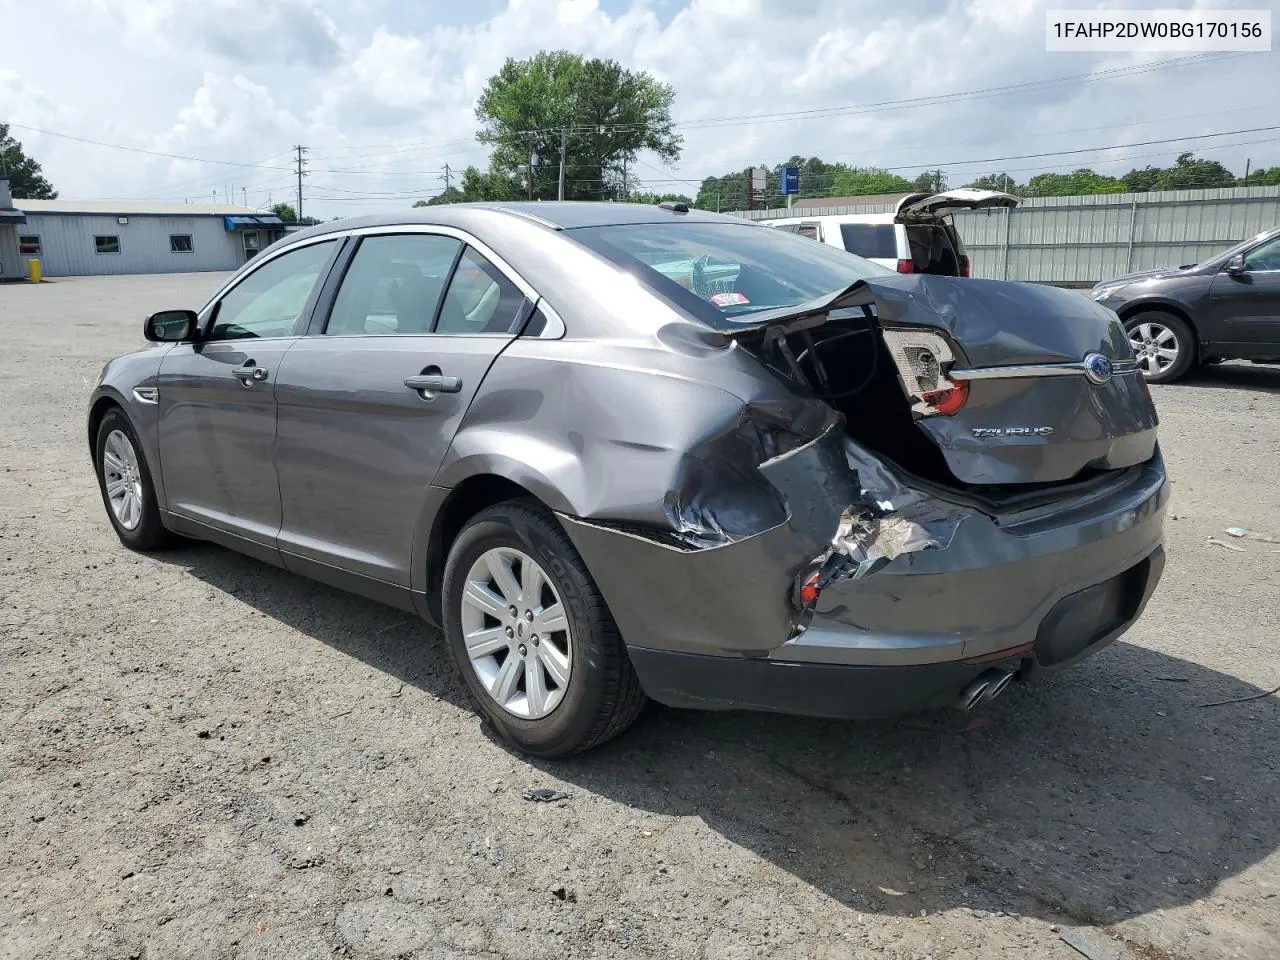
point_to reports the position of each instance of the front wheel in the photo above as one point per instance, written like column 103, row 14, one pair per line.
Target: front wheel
column 1164, row 345
column 531, row 635
column 125, row 482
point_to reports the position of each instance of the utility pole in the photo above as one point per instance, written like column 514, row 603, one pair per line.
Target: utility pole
column 244, row 192
column 447, row 174
column 624, row 179
column 301, row 173
column 1246, row 171
column 564, row 143
column 533, row 158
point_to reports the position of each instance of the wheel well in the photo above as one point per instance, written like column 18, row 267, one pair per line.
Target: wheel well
column 96, row 413
column 1137, row 308
column 466, row 500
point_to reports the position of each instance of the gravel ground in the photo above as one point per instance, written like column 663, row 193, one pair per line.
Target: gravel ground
column 202, row 756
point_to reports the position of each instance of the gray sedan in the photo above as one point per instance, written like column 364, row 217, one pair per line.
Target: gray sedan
column 1227, row 308
column 621, row 452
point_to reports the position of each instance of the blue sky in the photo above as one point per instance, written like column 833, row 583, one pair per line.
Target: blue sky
column 384, row 90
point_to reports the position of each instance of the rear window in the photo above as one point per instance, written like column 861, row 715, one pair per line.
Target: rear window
column 875, row 240
column 724, row 272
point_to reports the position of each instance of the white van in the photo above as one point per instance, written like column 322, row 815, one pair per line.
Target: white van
column 918, row 237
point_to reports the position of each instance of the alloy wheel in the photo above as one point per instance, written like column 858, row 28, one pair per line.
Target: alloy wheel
column 1155, row 345
column 516, row 633
column 123, row 479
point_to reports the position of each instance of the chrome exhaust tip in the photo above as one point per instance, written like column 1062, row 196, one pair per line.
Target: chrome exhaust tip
column 1000, row 686
column 974, row 693
column 987, row 686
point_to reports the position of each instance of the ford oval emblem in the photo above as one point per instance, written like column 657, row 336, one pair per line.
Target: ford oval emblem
column 1097, row 368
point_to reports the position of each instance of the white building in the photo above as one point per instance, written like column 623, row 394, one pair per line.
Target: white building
column 89, row 237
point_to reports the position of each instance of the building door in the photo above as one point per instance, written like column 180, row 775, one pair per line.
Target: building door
column 251, row 245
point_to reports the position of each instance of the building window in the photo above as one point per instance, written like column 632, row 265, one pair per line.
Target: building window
column 29, row 245
column 179, row 243
column 106, row 244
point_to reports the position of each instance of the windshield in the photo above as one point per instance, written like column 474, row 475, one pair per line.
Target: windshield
column 724, row 272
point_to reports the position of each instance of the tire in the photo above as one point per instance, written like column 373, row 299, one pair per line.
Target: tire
column 146, row 532
column 1166, row 328
column 602, row 696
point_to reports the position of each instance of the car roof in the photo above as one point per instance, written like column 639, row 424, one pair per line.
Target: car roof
column 555, row 215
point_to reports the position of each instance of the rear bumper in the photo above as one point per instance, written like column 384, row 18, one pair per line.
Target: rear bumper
column 717, row 628
column 1071, row 632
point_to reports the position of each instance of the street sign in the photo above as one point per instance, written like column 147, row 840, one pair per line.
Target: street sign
column 790, row 180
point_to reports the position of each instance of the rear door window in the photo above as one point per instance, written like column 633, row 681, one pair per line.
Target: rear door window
column 393, row 285
column 876, row 241
column 480, row 299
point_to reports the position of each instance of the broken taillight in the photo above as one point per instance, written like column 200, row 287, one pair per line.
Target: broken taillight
column 809, row 590
column 950, row 401
column 922, row 359
column 906, row 266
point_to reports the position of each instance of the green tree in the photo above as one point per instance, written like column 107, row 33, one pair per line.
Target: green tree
column 998, row 181
column 450, row 194
column 865, row 181
column 930, row 180
column 285, row 212
column 26, row 181
column 605, row 113
column 1142, row 181
column 1264, row 177
column 1188, row 173
column 1078, row 183
column 655, row 198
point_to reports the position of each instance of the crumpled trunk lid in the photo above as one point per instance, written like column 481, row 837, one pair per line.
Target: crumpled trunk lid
column 1052, row 391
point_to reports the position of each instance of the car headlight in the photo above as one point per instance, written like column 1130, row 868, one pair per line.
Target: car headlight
column 1104, row 293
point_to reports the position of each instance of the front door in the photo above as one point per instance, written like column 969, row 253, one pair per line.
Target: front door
column 1246, row 305
column 217, row 399
column 251, row 244
column 369, row 406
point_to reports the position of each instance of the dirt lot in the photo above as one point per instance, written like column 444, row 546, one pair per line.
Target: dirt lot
column 202, row 756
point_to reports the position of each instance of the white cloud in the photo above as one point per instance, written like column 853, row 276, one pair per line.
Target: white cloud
column 385, row 92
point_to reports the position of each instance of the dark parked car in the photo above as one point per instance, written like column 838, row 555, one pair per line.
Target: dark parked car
column 618, row 451
column 1227, row 308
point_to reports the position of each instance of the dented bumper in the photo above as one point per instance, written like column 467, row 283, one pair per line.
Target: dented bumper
column 891, row 630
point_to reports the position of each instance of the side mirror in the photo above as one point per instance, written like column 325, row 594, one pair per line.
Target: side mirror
column 1235, row 266
column 170, row 326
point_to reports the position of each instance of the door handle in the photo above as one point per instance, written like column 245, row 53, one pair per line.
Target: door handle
column 249, row 373
column 434, row 383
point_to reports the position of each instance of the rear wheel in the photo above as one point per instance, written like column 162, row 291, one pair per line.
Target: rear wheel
column 125, row 482
column 531, row 635
column 1163, row 343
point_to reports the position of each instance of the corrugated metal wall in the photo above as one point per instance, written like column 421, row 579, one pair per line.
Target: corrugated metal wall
column 1081, row 240
column 67, row 244
column 11, row 265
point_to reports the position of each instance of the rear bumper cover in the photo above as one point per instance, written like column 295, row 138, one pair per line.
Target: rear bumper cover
column 1077, row 627
column 716, row 627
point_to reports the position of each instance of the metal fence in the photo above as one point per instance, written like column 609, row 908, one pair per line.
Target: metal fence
column 1077, row 241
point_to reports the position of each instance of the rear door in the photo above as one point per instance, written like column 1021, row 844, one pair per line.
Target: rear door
column 217, row 406
column 370, row 401
column 1247, row 305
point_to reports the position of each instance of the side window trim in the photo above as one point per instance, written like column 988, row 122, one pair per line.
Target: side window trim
column 347, row 243
column 209, row 316
column 448, row 282
column 322, row 309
